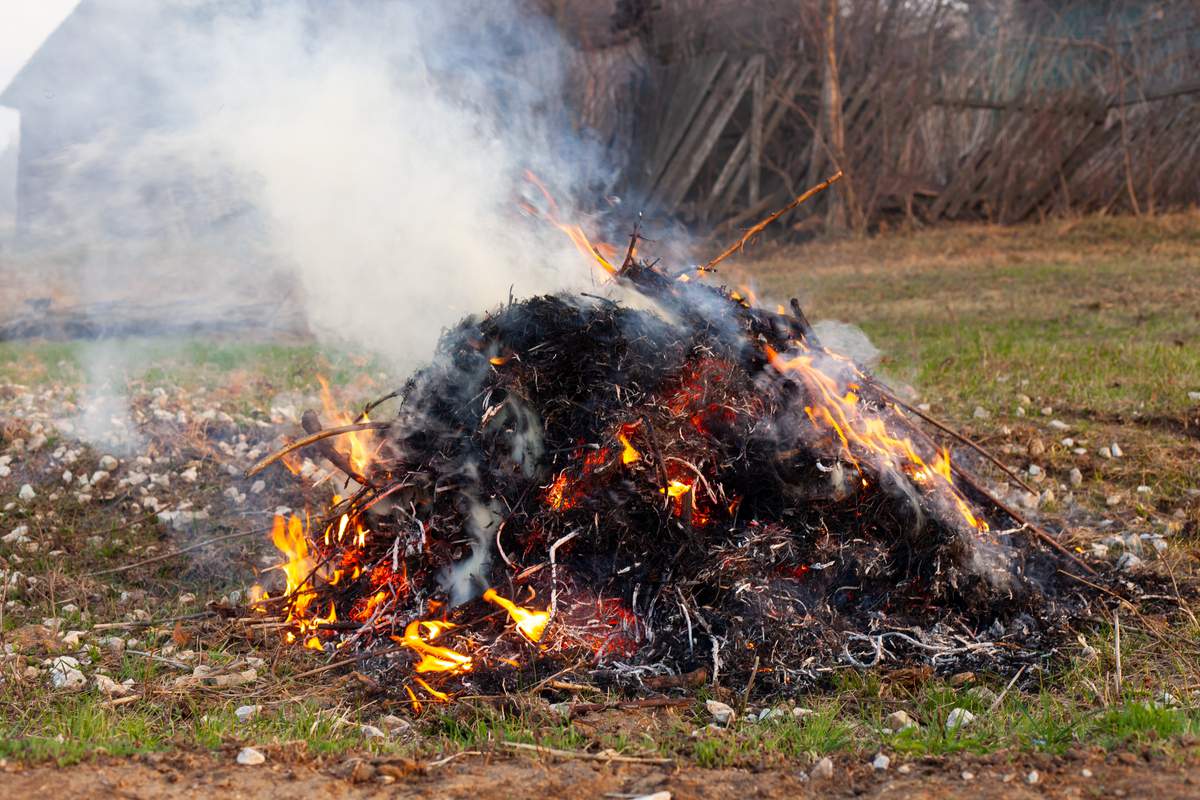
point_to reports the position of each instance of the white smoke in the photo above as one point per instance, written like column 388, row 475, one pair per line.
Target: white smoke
column 369, row 154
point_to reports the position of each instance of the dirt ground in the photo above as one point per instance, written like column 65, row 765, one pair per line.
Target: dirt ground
column 184, row 775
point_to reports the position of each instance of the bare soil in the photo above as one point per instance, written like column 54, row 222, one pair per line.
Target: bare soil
column 185, row 775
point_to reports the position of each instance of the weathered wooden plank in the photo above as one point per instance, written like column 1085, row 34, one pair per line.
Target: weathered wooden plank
column 757, row 120
column 709, row 124
column 780, row 94
column 686, row 103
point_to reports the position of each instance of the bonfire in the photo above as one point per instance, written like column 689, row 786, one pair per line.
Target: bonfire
column 695, row 489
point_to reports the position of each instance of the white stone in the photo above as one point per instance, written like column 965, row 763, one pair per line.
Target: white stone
column 900, row 721
column 1075, row 477
column 247, row 713
column 258, row 486
column 1105, row 452
column 1059, row 425
column 249, row 757
column 190, row 475
column 27, row 493
column 108, row 463
column 110, row 688
column 1116, row 450
column 66, row 675
column 980, row 413
column 880, row 762
column 99, row 477
column 1047, row 410
column 723, row 714
column 822, row 770
column 1032, row 777
column 1143, row 489
column 371, row 732
column 958, row 718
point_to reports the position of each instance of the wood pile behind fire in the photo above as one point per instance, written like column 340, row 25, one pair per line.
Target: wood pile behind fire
column 576, row 484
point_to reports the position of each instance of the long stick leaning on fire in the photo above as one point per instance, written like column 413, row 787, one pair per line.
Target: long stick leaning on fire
column 650, row 281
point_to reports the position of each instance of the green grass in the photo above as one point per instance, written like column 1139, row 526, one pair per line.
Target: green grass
column 1099, row 319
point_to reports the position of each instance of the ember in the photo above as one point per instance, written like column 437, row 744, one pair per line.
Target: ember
column 705, row 486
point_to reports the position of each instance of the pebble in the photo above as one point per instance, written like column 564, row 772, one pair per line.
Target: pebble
column 721, row 713
column 1032, row 777
column 1143, row 489
column 1036, row 447
column 110, row 688
column 247, row 713
column 1047, row 410
column 822, row 770
column 1116, row 450
column 1085, row 773
column 1075, row 477
column 982, row 695
column 27, row 493
column 1128, row 562
column 980, row 413
column 880, row 762
column 1079, row 451
column 1035, row 470
column 967, row 775
column 371, row 732
column 65, row 674
column 1059, row 425
column 900, row 721
column 249, row 757
column 904, row 769
column 190, row 475
column 258, row 486
column 108, row 463
column 958, row 718
column 1114, row 500
column 1106, row 452
column 394, row 724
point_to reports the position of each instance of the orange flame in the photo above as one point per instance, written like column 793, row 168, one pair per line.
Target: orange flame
column 601, row 252
column 360, row 445
column 839, row 412
column 531, row 624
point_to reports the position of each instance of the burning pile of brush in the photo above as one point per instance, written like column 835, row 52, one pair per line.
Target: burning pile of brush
column 573, row 483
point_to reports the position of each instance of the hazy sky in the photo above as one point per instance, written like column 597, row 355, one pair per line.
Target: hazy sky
column 24, row 25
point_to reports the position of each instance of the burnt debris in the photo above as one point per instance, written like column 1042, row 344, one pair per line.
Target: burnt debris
column 694, row 483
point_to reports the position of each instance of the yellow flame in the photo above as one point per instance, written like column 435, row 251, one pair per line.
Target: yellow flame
column 433, row 658
column 531, row 624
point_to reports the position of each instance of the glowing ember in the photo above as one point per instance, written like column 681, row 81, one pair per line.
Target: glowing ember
column 629, row 455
